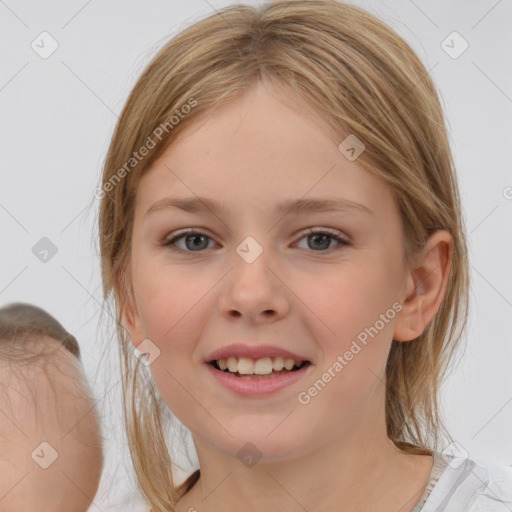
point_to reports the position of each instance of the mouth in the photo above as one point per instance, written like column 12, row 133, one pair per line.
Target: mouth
column 264, row 368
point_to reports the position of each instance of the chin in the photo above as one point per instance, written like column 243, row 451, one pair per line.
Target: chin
column 255, row 446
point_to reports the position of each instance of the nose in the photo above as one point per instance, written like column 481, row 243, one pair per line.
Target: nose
column 255, row 291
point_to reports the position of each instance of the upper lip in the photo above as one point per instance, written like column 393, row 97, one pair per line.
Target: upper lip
column 253, row 352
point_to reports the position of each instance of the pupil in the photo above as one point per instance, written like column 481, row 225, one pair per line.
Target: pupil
column 195, row 237
column 326, row 237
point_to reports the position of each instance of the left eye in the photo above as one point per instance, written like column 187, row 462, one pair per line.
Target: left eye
column 324, row 238
column 320, row 239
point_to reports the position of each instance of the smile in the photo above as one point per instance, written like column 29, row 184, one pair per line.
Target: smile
column 261, row 366
column 248, row 382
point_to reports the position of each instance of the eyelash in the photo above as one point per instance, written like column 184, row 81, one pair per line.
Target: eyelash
column 170, row 243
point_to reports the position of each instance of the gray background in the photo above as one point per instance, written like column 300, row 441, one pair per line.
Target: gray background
column 57, row 116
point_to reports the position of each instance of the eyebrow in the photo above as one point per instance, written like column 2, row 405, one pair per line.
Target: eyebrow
column 294, row 206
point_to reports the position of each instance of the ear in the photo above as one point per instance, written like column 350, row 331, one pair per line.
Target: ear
column 131, row 317
column 425, row 287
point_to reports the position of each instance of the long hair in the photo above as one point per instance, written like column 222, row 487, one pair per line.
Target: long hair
column 363, row 79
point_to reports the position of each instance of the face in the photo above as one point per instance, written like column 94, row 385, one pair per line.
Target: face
column 306, row 293
column 56, row 409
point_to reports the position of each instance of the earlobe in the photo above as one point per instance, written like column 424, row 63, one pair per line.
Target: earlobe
column 131, row 323
column 425, row 287
column 131, row 319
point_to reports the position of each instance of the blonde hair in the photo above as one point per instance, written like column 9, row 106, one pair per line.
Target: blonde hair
column 363, row 79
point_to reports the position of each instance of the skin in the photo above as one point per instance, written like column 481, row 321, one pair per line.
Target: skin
column 333, row 453
column 55, row 408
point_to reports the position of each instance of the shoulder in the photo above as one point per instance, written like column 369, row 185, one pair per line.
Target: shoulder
column 495, row 491
column 470, row 486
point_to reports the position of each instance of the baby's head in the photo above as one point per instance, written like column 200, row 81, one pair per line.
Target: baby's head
column 250, row 108
column 51, row 455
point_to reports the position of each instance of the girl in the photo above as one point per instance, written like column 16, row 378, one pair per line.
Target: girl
column 281, row 231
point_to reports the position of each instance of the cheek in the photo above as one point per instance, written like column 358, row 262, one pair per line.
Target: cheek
column 174, row 306
column 165, row 293
column 351, row 316
column 348, row 299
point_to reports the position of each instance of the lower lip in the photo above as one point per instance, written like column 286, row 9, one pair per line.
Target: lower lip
column 247, row 386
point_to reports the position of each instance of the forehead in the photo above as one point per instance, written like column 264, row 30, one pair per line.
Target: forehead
column 46, row 392
column 256, row 149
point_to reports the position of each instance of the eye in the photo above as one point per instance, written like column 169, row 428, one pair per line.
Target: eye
column 194, row 240
column 322, row 239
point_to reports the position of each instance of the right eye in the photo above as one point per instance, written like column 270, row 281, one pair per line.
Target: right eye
column 190, row 234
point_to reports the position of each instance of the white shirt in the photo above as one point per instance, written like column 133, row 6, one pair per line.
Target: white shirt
column 463, row 485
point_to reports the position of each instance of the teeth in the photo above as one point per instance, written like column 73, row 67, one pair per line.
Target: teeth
column 245, row 366
column 232, row 364
column 278, row 364
column 288, row 363
column 263, row 366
